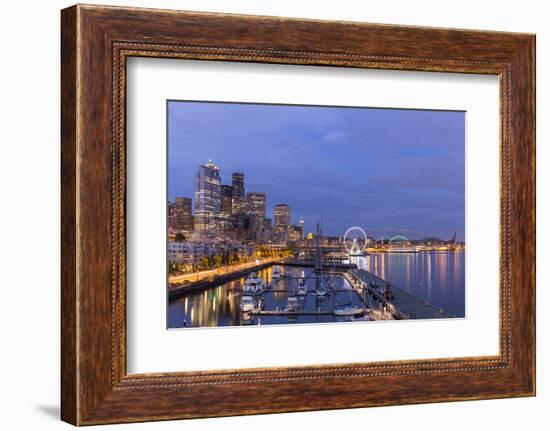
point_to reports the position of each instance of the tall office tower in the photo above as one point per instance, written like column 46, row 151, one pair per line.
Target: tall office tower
column 239, row 202
column 256, row 206
column 302, row 226
column 252, row 230
column 227, row 199
column 171, row 215
column 226, row 220
column 267, row 235
column 183, row 215
column 281, row 215
column 208, row 197
column 256, row 210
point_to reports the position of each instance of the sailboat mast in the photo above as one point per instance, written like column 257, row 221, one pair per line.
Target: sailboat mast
column 317, row 250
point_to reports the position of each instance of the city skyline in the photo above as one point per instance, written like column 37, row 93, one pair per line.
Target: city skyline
column 308, row 157
column 225, row 185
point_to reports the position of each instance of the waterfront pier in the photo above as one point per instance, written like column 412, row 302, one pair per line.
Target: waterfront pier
column 334, row 265
column 291, row 313
column 380, row 299
column 401, row 304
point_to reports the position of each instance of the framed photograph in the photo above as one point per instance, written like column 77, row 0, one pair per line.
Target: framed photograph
column 239, row 254
column 265, row 215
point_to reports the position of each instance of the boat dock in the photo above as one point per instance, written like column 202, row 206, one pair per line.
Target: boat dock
column 308, row 290
column 290, row 313
column 403, row 305
column 176, row 290
column 334, row 265
column 385, row 300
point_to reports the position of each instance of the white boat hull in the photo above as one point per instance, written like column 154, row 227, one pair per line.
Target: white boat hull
column 352, row 311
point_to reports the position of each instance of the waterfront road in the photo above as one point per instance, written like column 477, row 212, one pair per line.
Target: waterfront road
column 201, row 275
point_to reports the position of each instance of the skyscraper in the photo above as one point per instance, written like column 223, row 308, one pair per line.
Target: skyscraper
column 256, row 205
column 302, row 226
column 282, row 216
column 227, row 199
column 226, row 220
column 183, row 215
column 239, row 201
column 267, row 235
column 207, row 196
column 256, row 211
column 171, row 213
column 281, row 226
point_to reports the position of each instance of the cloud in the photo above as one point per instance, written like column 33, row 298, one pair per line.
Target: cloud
column 403, row 169
column 336, row 135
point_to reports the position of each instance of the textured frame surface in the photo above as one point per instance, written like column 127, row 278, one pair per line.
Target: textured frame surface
column 96, row 41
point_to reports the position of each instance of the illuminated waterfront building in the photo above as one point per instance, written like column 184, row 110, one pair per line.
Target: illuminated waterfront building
column 186, row 252
column 207, row 197
column 191, row 252
column 295, row 233
column 180, row 252
column 302, row 226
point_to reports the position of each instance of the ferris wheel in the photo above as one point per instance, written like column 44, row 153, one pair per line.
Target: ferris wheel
column 355, row 240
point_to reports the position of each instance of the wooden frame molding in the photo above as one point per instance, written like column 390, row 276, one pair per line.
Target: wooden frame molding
column 95, row 43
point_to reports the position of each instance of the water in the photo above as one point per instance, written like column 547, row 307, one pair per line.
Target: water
column 437, row 277
column 219, row 306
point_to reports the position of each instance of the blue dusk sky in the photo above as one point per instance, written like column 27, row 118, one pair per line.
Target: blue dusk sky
column 389, row 171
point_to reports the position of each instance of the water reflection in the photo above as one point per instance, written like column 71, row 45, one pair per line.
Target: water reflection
column 437, row 277
column 219, row 305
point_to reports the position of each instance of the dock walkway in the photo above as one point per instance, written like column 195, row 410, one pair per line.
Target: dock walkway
column 403, row 305
column 283, row 312
column 337, row 266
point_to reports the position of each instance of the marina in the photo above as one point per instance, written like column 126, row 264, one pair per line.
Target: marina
column 278, row 293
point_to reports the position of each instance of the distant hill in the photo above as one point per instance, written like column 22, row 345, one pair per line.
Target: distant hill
column 432, row 239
